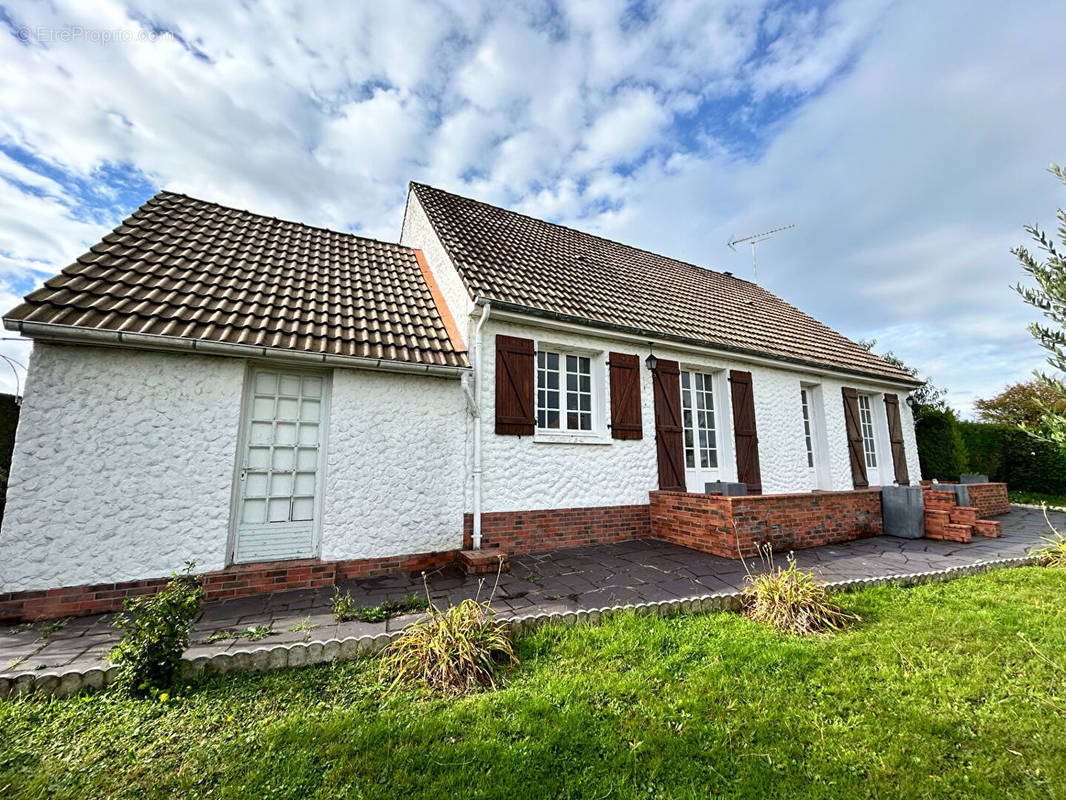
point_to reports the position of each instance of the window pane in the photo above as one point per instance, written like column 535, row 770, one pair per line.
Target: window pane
column 697, row 405
column 553, row 361
column 807, row 427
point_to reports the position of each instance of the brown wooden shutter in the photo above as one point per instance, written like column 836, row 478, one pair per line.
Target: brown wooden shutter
column 854, row 429
column 669, row 446
column 514, row 386
column 895, row 436
column 625, row 396
column 744, row 432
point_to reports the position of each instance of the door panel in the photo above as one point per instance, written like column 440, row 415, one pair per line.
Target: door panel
column 279, row 478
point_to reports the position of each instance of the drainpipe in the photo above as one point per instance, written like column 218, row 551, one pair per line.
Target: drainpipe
column 478, row 404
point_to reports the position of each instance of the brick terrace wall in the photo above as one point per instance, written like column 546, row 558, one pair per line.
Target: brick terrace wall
column 734, row 527
column 989, row 499
column 557, row 528
column 700, row 521
column 241, row 580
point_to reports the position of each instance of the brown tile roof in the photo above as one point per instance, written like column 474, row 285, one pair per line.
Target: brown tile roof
column 521, row 261
column 181, row 267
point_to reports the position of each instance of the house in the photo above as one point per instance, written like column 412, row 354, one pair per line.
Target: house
column 288, row 406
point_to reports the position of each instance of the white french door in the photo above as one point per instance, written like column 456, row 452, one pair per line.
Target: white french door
column 699, row 415
column 280, row 476
column 817, row 449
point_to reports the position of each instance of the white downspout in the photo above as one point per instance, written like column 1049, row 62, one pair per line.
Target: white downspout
column 478, row 404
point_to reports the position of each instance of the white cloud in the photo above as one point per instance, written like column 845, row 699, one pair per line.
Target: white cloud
column 625, row 130
column 911, row 159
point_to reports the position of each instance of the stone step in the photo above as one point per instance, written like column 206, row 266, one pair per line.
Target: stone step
column 986, row 527
column 483, row 562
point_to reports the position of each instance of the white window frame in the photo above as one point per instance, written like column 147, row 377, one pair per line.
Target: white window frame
column 723, row 428
column 819, row 475
column 807, row 412
column 597, row 384
column 689, row 402
column 868, row 429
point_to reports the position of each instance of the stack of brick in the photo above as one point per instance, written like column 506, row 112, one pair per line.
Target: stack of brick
column 945, row 519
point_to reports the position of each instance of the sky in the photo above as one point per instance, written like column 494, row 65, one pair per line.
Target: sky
column 908, row 142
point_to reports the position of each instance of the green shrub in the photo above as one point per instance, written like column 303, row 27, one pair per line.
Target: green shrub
column 156, row 630
column 941, row 450
column 457, row 650
column 793, row 601
column 1014, row 457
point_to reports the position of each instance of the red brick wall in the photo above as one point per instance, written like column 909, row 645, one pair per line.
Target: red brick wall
column 990, row 499
column 553, row 529
column 237, row 581
column 735, row 527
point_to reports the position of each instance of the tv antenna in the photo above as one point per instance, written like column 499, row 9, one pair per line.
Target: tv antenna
column 754, row 240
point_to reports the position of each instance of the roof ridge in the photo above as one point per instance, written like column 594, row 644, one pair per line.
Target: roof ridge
column 721, row 273
column 293, row 222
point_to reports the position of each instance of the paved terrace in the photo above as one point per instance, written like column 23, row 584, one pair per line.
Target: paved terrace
column 599, row 576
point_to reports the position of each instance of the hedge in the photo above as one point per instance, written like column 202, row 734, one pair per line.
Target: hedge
column 1010, row 455
column 941, row 450
column 947, row 448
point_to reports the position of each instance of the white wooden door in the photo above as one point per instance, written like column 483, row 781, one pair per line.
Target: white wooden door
column 280, row 474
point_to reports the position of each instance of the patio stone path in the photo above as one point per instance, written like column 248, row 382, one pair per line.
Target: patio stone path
column 598, row 576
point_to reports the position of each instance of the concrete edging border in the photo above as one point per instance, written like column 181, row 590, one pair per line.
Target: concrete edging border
column 60, row 683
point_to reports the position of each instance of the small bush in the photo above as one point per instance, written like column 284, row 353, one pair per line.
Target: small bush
column 793, row 601
column 156, row 633
column 457, row 650
column 344, row 608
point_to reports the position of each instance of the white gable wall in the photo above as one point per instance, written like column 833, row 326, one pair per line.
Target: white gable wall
column 522, row 473
column 418, row 234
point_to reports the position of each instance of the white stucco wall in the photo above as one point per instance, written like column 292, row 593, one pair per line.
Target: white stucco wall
column 122, row 469
column 418, row 233
column 124, row 465
column 522, row 473
column 396, row 466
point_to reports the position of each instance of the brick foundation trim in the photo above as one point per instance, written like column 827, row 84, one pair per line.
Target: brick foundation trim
column 558, row 528
column 736, row 527
column 240, row 580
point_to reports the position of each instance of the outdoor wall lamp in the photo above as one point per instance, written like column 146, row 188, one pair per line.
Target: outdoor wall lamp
column 910, row 401
column 652, row 362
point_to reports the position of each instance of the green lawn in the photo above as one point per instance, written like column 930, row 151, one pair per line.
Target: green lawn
column 946, row 690
column 1036, row 498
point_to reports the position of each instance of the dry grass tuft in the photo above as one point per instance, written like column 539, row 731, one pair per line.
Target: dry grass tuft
column 1053, row 554
column 461, row 649
column 793, row 601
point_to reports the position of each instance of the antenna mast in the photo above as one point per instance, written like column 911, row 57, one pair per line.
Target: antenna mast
column 754, row 240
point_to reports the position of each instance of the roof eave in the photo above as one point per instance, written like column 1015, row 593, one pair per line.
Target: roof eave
column 70, row 334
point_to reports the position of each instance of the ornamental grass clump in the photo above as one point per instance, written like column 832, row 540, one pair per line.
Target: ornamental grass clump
column 793, row 601
column 156, row 629
column 460, row 649
column 1052, row 554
